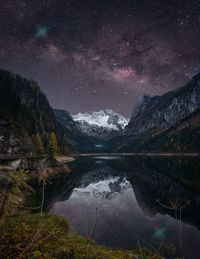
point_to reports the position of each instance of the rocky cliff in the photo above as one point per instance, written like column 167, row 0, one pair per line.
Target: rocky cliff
column 170, row 122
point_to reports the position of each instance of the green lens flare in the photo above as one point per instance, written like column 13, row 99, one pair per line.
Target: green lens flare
column 41, row 31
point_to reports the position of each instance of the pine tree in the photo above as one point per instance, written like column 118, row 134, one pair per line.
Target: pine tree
column 53, row 145
column 37, row 144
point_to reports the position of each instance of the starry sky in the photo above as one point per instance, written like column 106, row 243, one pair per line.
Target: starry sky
column 89, row 55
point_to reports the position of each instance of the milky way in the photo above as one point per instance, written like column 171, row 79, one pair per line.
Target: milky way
column 101, row 54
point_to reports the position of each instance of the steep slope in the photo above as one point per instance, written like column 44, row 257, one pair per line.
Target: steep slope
column 66, row 119
column 184, row 136
column 84, row 142
column 170, row 122
column 25, row 110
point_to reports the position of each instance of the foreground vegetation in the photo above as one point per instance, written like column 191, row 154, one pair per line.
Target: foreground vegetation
column 38, row 235
column 47, row 236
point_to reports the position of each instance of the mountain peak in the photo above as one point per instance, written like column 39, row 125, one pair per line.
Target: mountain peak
column 103, row 118
column 100, row 123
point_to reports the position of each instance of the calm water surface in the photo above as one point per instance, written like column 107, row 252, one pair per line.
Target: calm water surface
column 125, row 202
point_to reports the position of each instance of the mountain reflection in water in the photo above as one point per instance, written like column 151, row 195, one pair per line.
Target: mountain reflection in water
column 122, row 202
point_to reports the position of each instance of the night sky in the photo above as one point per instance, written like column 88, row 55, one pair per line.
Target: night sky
column 89, row 55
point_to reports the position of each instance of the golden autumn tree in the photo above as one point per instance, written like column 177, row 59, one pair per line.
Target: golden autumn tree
column 37, row 144
column 53, row 145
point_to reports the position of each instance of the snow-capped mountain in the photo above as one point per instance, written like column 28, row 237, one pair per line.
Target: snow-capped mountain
column 101, row 124
column 104, row 189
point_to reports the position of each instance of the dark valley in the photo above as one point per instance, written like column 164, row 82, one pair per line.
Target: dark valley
column 167, row 123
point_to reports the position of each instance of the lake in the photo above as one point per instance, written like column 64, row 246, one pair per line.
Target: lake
column 132, row 202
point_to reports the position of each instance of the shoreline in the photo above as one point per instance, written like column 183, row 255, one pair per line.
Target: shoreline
column 71, row 157
column 136, row 154
column 33, row 164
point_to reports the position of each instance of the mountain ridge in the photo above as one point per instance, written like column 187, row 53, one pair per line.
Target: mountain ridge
column 167, row 109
